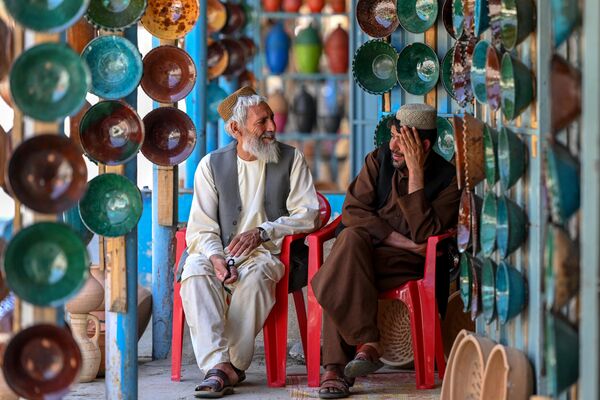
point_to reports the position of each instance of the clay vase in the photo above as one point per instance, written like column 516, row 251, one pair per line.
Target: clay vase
column 307, row 50
column 90, row 352
column 336, row 50
column 279, row 106
column 100, row 276
column 291, row 6
column 271, row 5
column 305, row 111
column 316, row 5
column 277, row 46
column 338, row 6
column 89, row 298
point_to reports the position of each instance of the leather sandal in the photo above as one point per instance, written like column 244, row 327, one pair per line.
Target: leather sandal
column 334, row 386
column 241, row 374
column 215, row 385
column 365, row 362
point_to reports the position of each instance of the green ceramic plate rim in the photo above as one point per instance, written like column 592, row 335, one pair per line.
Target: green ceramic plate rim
column 489, row 310
column 465, row 280
column 365, row 46
column 478, row 71
column 448, row 58
column 430, row 85
column 436, row 147
column 114, row 230
column 489, row 200
column 405, row 19
column 491, row 173
column 51, row 28
column 117, row 28
column 19, row 65
column 37, row 296
column 380, row 125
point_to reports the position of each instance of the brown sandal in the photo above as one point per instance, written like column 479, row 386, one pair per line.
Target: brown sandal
column 334, row 386
column 365, row 362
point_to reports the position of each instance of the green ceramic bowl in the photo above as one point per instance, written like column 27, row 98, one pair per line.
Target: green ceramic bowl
column 478, row 71
column 465, row 279
column 418, row 69
column 447, row 72
column 417, row 15
column 46, row 264
column 374, row 67
column 112, row 205
column 382, row 130
column 562, row 180
column 517, row 21
column 511, row 227
column 488, row 224
column 46, row 15
column 72, row 218
column 444, row 145
column 512, row 158
column 562, row 359
column 115, row 15
column 490, row 154
column 488, row 290
column 511, row 292
column 516, row 86
column 49, row 82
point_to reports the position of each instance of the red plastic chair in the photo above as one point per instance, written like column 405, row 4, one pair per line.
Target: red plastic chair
column 419, row 297
column 275, row 328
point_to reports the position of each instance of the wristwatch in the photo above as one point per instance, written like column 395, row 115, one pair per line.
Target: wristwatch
column 264, row 237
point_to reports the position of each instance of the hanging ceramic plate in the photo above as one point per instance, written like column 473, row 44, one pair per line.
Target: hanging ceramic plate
column 417, row 15
column 374, row 67
column 49, row 82
column 444, row 145
column 382, row 130
column 170, row 136
column 46, row 16
column 46, row 264
column 446, row 72
column 170, row 19
column 169, row 74
column 115, row 15
column 116, row 66
column 72, row 218
column 418, row 69
column 377, row 18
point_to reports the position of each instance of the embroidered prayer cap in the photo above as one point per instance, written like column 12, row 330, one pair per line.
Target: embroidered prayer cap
column 225, row 109
column 420, row 116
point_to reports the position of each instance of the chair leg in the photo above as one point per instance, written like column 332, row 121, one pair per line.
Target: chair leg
column 416, row 328
column 440, row 358
column 301, row 315
column 178, row 325
column 430, row 323
column 275, row 334
column 313, row 354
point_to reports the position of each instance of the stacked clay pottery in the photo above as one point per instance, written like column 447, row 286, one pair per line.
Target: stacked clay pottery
column 277, row 47
column 271, row 5
column 338, row 6
column 336, row 50
column 307, row 50
column 316, row 5
column 305, row 111
column 291, row 6
column 279, row 106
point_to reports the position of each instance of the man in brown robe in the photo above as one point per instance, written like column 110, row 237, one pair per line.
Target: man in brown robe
column 404, row 193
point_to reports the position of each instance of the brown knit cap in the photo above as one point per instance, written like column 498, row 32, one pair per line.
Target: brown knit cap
column 226, row 107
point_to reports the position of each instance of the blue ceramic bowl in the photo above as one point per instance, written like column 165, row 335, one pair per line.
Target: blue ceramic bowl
column 511, row 227
column 562, row 180
column 565, row 18
column 488, row 289
column 511, row 292
column 562, row 358
column 488, row 224
column 482, row 19
column 215, row 94
column 46, row 16
column 116, row 66
column 512, row 158
column 478, row 82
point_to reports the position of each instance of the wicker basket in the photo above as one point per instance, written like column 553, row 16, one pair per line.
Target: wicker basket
column 393, row 320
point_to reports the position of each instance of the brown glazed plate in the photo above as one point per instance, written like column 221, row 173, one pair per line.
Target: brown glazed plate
column 47, row 173
column 236, row 18
column 377, row 18
column 237, row 58
column 217, row 59
column 41, row 362
column 170, row 136
column 169, row 74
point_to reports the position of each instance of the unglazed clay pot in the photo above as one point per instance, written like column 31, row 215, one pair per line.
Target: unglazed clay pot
column 89, row 298
column 336, row 50
column 508, row 375
column 271, row 5
column 338, row 6
column 90, row 352
column 316, row 5
column 291, row 6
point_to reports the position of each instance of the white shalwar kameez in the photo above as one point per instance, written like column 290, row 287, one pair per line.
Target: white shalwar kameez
column 226, row 333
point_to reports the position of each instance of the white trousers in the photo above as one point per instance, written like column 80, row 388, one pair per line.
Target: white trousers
column 221, row 332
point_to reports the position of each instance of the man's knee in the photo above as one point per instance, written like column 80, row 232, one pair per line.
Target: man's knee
column 192, row 286
column 354, row 235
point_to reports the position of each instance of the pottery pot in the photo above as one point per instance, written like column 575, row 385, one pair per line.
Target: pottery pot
column 90, row 352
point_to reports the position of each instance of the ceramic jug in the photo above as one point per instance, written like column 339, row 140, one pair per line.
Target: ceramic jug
column 316, row 5
column 90, row 352
column 338, row 6
column 307, row 50
column 271, row 5
column 305, row 110
column 336, row 50
column 277, row 49
column 89, row 298
column 291, row 6
column 279, row 106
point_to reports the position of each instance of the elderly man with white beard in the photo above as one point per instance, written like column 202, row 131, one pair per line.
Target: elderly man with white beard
column 247, row 197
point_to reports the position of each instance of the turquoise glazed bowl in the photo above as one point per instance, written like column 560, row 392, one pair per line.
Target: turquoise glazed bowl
column 447, row 72
column 116, row 66
column 565, row 18
column 488, row 290
column 517, row 21
column 516, row 86
column 488, row 223
column 46, row 16
column 562, row 358
column 444, row 145
column 383, row 131
column 46, row 264
column 511, row 292
column 72, row 218
column 374, row 67
column 482, row 19
column 478, row 71
column 170, row 136
column 49, row 82
column 511, row 228
column 562, row 180
column 418, row 69
column 115, row 15
column 490, row 154
column 112, row 205
column 111, row 132
column 214, row 96
column 512, row 158
column 470, row 283
column 417, row 15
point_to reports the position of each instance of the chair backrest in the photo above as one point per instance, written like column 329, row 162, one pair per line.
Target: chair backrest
column 324, row 209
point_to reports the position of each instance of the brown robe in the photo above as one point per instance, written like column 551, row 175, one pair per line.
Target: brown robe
column 359, row 266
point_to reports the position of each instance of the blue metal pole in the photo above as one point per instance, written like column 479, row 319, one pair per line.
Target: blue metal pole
column 195, row 45
column 212, row 136
column 121, row 329
column 230, row 86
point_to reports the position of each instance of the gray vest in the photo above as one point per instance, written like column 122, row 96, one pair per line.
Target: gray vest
column 223, row 164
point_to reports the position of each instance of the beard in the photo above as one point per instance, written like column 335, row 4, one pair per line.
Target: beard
column 267, row 152
column 399, row 164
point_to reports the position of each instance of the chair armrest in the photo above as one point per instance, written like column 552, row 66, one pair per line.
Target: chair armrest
column 325, row 233
column 315, row 246
column 430, row 259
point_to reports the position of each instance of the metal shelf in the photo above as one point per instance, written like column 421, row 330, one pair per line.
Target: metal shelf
column 309, row 77
column 286, row 15
column 312, row 136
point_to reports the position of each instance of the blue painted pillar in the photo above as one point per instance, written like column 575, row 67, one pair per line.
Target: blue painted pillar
column 121, row 329
column 212, row 136
column 195, row 45
column 230, row 86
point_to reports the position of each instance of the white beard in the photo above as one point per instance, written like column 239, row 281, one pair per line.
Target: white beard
column 268, row 153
